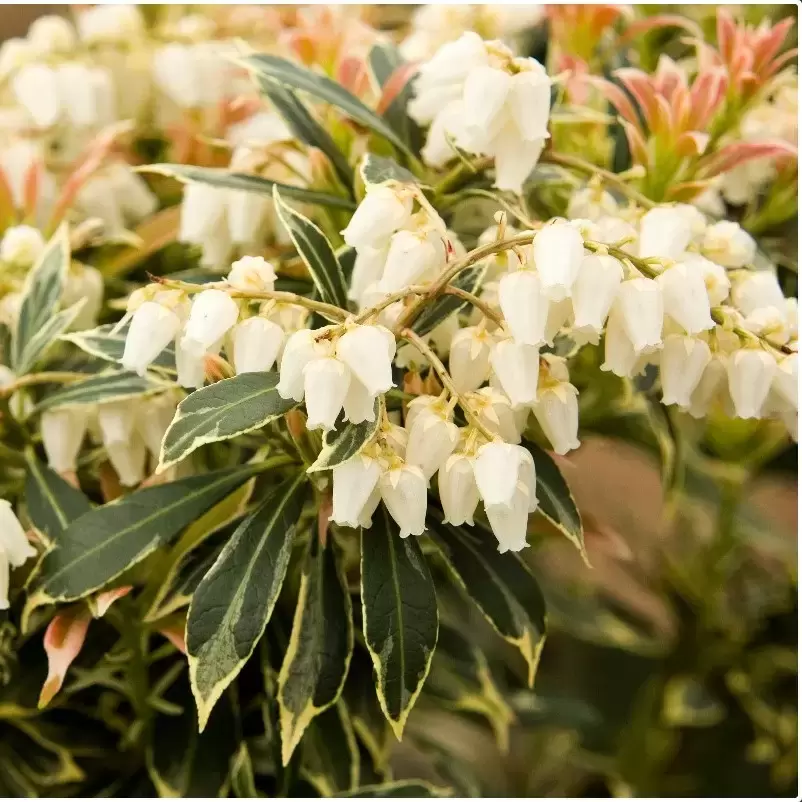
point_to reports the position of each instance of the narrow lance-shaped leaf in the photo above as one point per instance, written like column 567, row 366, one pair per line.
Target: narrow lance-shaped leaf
column 52, row 502
column 346, row 440
column 221, row 411
column 40, row 341
column 399, row 616
column 316, row 251
column 316, row 662
column 501, row 586
column 378, row 169
column 242, row 780
column 330, row 752
column 234, row 601
column 226, row 179
column 108, row 342
column 102, row 388
column 100, row 545
column 470, row 280
column 41, row 293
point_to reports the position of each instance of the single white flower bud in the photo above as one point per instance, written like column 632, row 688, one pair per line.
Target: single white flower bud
column 116, row 420
column 382, row 212
column 367, row 272
column 35, row 88
column 620, row 356
column 558, row 250
column 682, row 364
column 252, row 274
column 769, row 322
column 359, row 404
column 213, row 313
column 484, row 97
column 113, row 24
column 750, row 373
column 469, row 358
column 685, row 297
column 529, row 99
column 595, row 290
column 517, row 368
column 63, row 431
column 153, row 417
column 86, row 93
column 13, row 542
column 496, row 413
column 524, row 305
column 299, row 350
column 557, row 412
column 368, row 351
column 411, row 256
column 326, row 383
column 665, row 232
column 203, row 211
column 14, row 52
column 135, row 199
column 786, row 380
column 509, row 521
column 354, row 482
column 728, row 244
column 128, row 459
column 432, row 439
column 498, row 467
column 641, row 305
column 458, row 492
column 591, row 203
column 190, row 365
column 404, row 492
column 246, row 215
column 51, row 34
column 757, row 290
column 255, row 344
column 21, row 246
column 714, row 275
column 712, row 386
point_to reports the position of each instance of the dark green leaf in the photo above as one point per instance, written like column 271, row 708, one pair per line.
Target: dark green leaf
column 346, row 440
column 51, row 501
column 500, row 585
column 234, row 601
column 556, row 503
column 400, row 788
column 316, row 662
column 40, row 341
column 242, row 780
column 100, row 545
column 101, row 388
column 40, row 296
column 281, row 71
column 317, row 253
column 434, row 314
column 378, row 169
column 306, row 127
column 399, row 616
column 106, row 342
column 221, row 411
column 330, row 752
column 226, row 179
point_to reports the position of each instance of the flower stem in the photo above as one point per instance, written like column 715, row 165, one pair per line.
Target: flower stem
column 51, row 377
column 482, row 306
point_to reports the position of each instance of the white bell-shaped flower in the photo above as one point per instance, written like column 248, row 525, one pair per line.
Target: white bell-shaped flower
column 354, row 482
column 404, row 492
column 252, row 274
column 367, row 512
column 558, row 250
column 15, row 546
column 484, row 96
column 786, row 380
column 770, row 323
column 382, row 212
column 557, row 412
column 682, row 364
column 246, row 214
column 591, row 203
column 63, row 431
column 664, row 232
column 757, row 290
column 128, row 460
column 509, row 521
column 35, row 87
column 728, row 244
column 497, row 468
column 496, row 413
column 299, row 350
column 620, row 356
column 213, row 313
column 411, row 256
column 529, row 99
column 368, row 351
column 524, row 305
column 458, row 492
column 326, row 383
column 469, row 358
column 21, row 246
column 255, row 344
column 368, row 268
column 190, row 365
column 432, row 439
column 203, row 210
column 359, row 404
column 116, row 420
column 714, row 276
column 750, row 373
column 517, row 368
column 711, row 386
column 595, row 290
column 51, row 34
column 86, row 93
column 153, row 418
column 685, row 297
column 640, row 302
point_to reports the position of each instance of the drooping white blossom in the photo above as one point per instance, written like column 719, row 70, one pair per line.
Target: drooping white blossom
column 685, row 297
column 213, row 313
column 63, row 431
column 750, row 373
column 432, row 439
column 557, row 252
column 354, row 482
column 682, row 363
column 524, row 305
column 255, row 344
column 404, row 492
column 368, row 351
column 594, row 291
column 458, row 492
column 517, row 368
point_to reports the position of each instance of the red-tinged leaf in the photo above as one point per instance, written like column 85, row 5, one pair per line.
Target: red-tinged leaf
column 63, row 641
column 769, row 45
column 687, row 191
column 725, row 33
column 740, row 152
column 669, row 77
column 707, row 93
column 105, row 599
column 617, row 98
column 637, row 144
column 352, row 73
column 175, row 634
column 6, row 199
column 775, row 66
column 31, row 188
column 639, row 86
column 665, row 120
column 691, row 143
column 395, row 84
column 662, row 21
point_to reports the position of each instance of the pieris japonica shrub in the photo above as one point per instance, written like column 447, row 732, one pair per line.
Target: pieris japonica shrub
column 268, row 459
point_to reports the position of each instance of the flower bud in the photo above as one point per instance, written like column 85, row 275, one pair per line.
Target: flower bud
column 404, row 492
column 641, row 305
column 153, row 417
column 728, row 244
column 299, row 350
column 529, row 99
column 458, row 492
column 750, row 373
column 591, row 203
column 411, row 256
column 665, row 232
column 517, row 368
column 557, row 412
column 35, row 88
column 86, row 94
column 558, row 250
column 496, row 414
column 484, row 96
column 714, row 275
column 757, row 290
column 595, row 290
column 509, row 521
column 620, row 356
column 432, row 438
column 117, row 24
column 524, row 305
column 498, row 467
column 255, row 344
column 190, row 366
column 128, row 460
column 21, row 246
column 252, row 274
column 354, row 482
column 203, row 211
column 685, row 297
column 368, row 351
column 326, row 383
column 710, row 386
column 246, row 215
column 469, row 358
column 359, row 404
column 212, row 314
column 63, row 431
column 682, row 364
column 51, row 34
column 382, row 212
column 13, row 542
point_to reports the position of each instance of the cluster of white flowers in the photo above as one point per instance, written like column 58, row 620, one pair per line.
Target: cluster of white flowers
column 480, row 97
